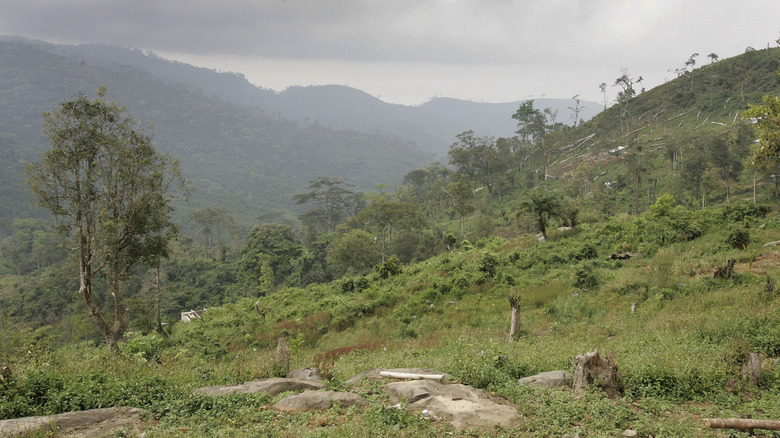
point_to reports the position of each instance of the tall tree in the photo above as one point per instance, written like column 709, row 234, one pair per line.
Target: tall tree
column 213, row 221
column 269, row 246
column 460, row 193
column 330, row 198
column 385, row 216
column 624, row 96
column 109, row 188
column 532, row 125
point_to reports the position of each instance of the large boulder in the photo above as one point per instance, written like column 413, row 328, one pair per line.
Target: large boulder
column 375, row 373
column 106, row 422
column 549, row 379
column 313, row 400
column 462, row 405
column 273, row 386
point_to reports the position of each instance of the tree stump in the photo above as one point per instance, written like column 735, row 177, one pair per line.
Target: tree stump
column 770, row 285
column 725, row 272
column 751, row 369
column 590, row 369
column 514, row 328
column 282, row 360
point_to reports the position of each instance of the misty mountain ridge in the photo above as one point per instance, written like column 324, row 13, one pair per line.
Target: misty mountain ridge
column 431, row 126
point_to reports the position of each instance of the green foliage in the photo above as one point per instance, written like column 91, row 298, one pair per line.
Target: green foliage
column 144, row 347
column 390, row 268
column 269, row 246
column 488, row 264
column 585, row 278
column 741, row 212
column 738, row 238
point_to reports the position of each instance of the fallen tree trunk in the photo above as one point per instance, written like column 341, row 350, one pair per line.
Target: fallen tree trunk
column 741, row 423
column 397, row 375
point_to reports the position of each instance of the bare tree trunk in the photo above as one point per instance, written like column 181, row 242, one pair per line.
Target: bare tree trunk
column 157, row 297
column 741, row 423
column 514, row 330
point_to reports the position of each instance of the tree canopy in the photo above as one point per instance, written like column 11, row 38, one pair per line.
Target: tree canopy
column 109, row 189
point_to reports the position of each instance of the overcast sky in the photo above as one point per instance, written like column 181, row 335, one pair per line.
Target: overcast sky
column 407, row 51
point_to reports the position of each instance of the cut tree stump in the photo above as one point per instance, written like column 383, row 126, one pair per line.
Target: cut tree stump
column 751, row 369
column 590, row 369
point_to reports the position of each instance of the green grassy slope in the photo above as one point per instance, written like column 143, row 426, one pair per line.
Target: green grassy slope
column 679, row 354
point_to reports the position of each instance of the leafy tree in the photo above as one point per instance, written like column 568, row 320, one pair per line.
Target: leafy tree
column 330, row 198
column 531, row 122
column 267, row 258
column 713, row 57
column 533, row 125
column 544, row 206
column 355, row 249
column 460, row 193
column 213, row 221
column 108, row 186
column 767, row 120
column 478, row 158
column 384, row 215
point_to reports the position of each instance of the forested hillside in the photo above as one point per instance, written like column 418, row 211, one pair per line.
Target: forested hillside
column 238, row 157
column 431, row 126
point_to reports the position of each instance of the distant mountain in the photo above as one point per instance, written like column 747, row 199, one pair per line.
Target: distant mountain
column 432, row 126
column 237, row 156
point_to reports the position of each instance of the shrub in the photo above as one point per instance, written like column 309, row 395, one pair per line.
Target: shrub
column 389, row 268
column 738, row 238
column 585, row 278
column 488, row 264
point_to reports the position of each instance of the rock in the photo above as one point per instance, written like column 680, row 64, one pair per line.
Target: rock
column 106, row 422
column 374, row 374
column 305, row 374
column 311, row 400
column 549, row 379
column 273, row 386
column 462, row 405
column 630, row 433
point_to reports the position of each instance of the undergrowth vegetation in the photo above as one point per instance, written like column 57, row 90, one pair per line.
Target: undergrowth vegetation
column 640, row 290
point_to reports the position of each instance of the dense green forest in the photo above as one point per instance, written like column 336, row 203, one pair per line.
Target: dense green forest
column 634, row 208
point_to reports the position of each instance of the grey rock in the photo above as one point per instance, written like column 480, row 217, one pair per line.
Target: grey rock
column 313, row 400
column 91, row 423
column 549, row 379
column 462, row 405
column 305, row 374
column 273, row 386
